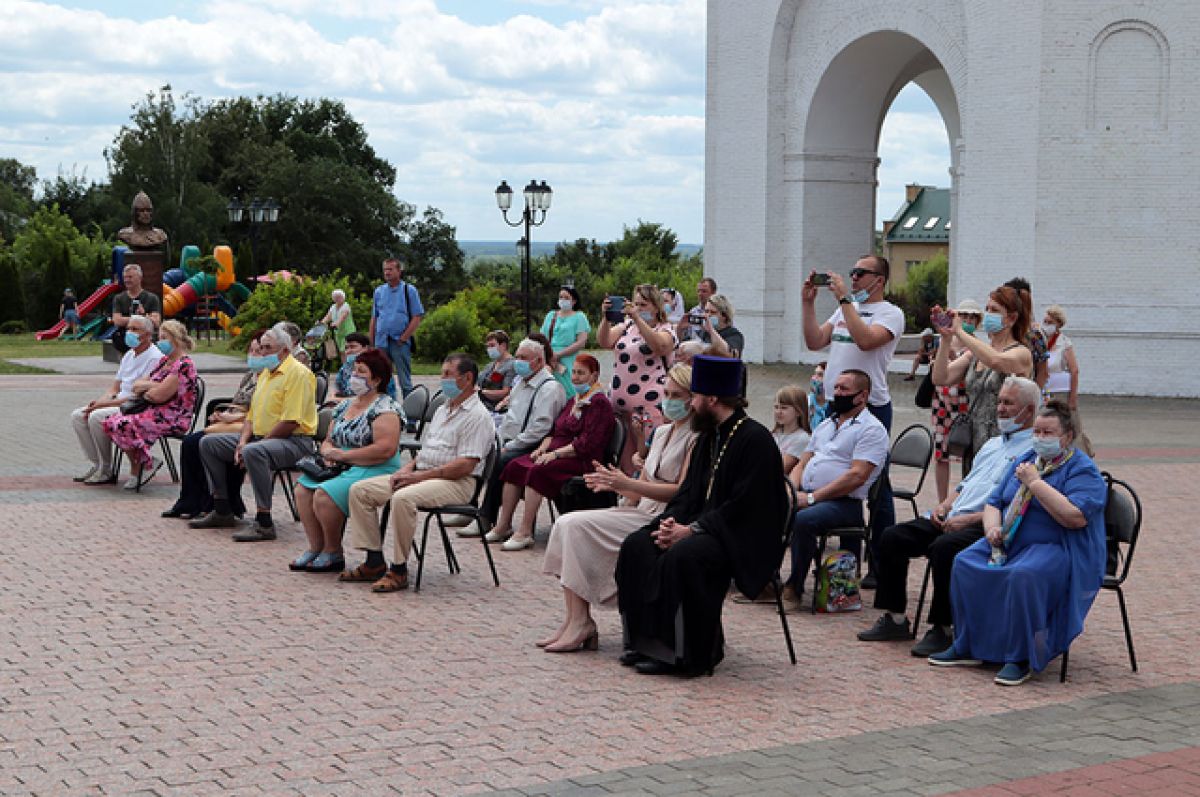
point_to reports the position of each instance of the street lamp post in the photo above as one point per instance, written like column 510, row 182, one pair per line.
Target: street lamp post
column 258, row 213
column 537, row 200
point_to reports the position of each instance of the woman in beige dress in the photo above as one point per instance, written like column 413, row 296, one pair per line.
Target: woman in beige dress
column 584, row 545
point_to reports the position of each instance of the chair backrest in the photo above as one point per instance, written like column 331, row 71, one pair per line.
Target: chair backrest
column 200, row 389
column 490, row 463
column 415, row 402
column 616, row 442
column 438, row 400
column 793, row 508
column 913, row 449
column 1122, row 525
column 322, row 388
column 324, row 419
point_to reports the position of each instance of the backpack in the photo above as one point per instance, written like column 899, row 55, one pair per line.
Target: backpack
column 837, row 584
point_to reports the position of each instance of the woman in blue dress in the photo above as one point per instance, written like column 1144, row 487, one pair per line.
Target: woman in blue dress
column 1020, row 595
column 364, row 435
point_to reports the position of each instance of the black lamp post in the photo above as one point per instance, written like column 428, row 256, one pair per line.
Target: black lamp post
column 258, row 213
column 537, row 200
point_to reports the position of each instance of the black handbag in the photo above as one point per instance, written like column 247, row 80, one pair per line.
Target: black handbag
column 316, row 468
column 924, row 397
column 135, row 405
column 958, row 440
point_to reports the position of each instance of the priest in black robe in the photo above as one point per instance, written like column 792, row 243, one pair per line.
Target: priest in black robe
column 726, row 522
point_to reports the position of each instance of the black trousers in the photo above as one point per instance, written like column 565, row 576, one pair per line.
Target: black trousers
column 904, row 541
column 194, row 494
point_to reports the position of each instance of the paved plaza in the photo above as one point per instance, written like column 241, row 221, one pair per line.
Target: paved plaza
column 140, row 657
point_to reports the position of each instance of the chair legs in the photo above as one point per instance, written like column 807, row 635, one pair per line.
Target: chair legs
column 451, row 557
column 169, row 458
column 1062, row 671
column 284, row 477
column 787, row 632
column 1128, row 630
column 921, row 600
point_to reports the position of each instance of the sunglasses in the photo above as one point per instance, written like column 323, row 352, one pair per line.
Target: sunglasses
column 855, row 273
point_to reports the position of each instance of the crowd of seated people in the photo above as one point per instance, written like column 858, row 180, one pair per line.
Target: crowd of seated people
column 1017, row 549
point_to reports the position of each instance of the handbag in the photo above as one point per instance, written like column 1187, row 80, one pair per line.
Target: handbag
column 958, row 440
column 924, row 397
column 316, row 468
column 135, row 405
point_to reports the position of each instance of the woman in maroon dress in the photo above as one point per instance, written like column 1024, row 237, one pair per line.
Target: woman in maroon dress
column 578, row 438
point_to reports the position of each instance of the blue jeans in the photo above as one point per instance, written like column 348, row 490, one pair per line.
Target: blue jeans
column 810, row 521
column 401, row 357
column 883, row 513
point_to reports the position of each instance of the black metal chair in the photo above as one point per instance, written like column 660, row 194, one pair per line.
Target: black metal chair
column 471, row 510
column 913, row 448
column 575, row 494
column 413, row 445
column 322, row 388
column 788, row 525
column 168, row 455
column 1122, row 525
column 414, row 405
column 286, row 477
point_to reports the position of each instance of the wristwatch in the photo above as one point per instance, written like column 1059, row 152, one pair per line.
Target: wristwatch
column 809, row 497
column 845, row 300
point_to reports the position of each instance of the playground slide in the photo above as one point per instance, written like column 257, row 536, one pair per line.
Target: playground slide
column 184, row 286
column 86, row 306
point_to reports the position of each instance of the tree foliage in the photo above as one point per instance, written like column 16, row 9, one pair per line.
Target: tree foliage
column 51, row 254
column 16, row 196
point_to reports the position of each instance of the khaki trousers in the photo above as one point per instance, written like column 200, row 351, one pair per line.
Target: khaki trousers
column 368, row 495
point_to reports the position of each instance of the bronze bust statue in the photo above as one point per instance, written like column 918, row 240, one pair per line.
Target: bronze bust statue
column 142, row 235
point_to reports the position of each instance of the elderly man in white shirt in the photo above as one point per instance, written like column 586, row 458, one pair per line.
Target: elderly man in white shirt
column 529, row 412
column 453, row 450
column 837, row 470
column 88, row 421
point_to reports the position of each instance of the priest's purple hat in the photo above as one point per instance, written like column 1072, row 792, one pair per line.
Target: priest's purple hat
column 717, row 376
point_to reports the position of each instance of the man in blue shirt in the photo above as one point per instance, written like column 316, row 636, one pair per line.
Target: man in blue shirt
column 953, row 526
column 395, row 315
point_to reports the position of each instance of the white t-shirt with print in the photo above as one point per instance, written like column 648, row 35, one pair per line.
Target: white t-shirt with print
column 845, row 354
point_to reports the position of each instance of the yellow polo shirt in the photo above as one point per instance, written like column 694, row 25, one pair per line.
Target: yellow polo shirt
column 289, row 393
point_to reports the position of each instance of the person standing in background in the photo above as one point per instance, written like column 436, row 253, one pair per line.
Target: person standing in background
column 396, row 312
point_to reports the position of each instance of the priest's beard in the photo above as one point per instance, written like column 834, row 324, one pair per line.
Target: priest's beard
column 703, row 420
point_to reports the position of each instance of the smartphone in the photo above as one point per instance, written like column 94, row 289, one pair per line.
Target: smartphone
column 696, row 319
column 616, row 309
column 820, row 278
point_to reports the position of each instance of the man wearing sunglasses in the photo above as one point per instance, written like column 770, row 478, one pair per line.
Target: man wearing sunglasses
column 861, row 334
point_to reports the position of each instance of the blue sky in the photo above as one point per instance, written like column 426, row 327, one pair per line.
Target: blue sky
column 603, row 99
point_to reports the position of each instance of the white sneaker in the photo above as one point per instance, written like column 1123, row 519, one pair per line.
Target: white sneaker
column 89, row 473
column 101, row 476
column 132, row 482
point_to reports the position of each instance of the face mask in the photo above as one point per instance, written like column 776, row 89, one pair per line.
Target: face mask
column 350, row 358
column 1008, row 425
column 647, row 316
column 132, row 339
column 817, row 387
column 1047, row 447
column 522, row 367
column 842, row 404
column 566, row 304
column 969, row 329
column 674, row 409
column 493, row 353
column 581, row 387
column 858, row 297
column 165, row 346
column 1050, row 329
column 450, row 389
column 359, row 386
column 992, row 323
column 270, row 362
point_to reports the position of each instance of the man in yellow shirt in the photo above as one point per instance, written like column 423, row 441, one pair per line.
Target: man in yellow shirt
column 277, row 433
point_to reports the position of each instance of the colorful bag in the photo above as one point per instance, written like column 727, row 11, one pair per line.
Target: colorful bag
column 837, row 584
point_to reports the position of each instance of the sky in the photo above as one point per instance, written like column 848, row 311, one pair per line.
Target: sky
column 602, row 99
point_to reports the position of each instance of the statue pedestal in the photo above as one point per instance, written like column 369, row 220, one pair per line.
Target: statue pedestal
column 152, row 263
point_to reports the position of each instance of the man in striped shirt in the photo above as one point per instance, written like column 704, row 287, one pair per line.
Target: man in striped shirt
column 453, row 450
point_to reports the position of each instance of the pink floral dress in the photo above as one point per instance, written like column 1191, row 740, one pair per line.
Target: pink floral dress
column 138, row 433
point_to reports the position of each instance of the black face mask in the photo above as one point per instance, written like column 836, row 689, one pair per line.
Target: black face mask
column 840, row 405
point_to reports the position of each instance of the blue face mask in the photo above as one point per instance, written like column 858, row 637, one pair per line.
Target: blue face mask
column 1047, row 447
column 350, row 358
column 493, row 353
column 132, row 340
column 1007, row 425
column 450, row 389
column 992, row 323
column 522, row 367
column 647, row 316
column 581, row 387
column 858, row 297
column 270, row 362
column 165, row 346
column 674, row 409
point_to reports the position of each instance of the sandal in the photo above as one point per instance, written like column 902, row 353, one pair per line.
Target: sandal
column 327, row 563
column 363, row 573
column 302, row 561
column 391, row 582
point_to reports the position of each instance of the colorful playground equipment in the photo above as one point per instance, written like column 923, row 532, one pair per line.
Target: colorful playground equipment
column 88, row 305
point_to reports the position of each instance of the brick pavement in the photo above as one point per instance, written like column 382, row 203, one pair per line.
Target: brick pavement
column 137, row 655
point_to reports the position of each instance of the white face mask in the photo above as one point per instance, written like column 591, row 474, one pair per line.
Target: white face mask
column 566, row 304
column 1050, row 329
column 359, row 386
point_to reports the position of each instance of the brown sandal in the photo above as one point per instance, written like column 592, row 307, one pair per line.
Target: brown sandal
column 363, row 573
column 391, row 582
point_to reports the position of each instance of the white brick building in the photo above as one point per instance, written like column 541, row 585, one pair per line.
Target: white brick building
column 1074, row 129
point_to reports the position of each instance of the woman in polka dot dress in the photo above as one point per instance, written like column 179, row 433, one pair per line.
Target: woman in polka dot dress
column 643, row 345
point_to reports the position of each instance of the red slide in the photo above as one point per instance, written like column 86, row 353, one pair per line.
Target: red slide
column 86, row 306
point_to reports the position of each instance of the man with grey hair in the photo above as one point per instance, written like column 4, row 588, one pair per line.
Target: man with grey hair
column 953, row 526
column 532, row 405
column 134, row 300
column 277, row 433
column 138, row 361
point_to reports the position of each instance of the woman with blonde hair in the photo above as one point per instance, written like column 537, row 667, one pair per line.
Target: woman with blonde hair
column 169, row 394
column 724, row 339
column 584, row 545
column 791, row 431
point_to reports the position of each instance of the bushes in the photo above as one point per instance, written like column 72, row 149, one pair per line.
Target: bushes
column 924, row 286
column 462, row 323
column 14, row 327
column 302, row 302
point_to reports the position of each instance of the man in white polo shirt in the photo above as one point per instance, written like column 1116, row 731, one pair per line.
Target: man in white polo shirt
column 453, row 450
column 842, row 461
column 862, row 333
column 138, row 361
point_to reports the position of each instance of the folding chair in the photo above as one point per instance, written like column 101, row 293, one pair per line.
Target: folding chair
column 164, row 441
column 576, row 486
column 1122, row 525
column 912, row 449
column 793, row 508
column 285, row 477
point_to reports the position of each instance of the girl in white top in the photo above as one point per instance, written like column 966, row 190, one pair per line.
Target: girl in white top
column 791, row 430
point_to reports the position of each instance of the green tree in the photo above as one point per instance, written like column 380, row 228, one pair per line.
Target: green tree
column 646, row 242
column 12, row 298
column 435, row 261
column 16, row 196
column 39, row 243
column 90, row 206
column 43, row 310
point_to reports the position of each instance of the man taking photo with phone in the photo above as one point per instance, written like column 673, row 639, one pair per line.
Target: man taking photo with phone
column 861, row 334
